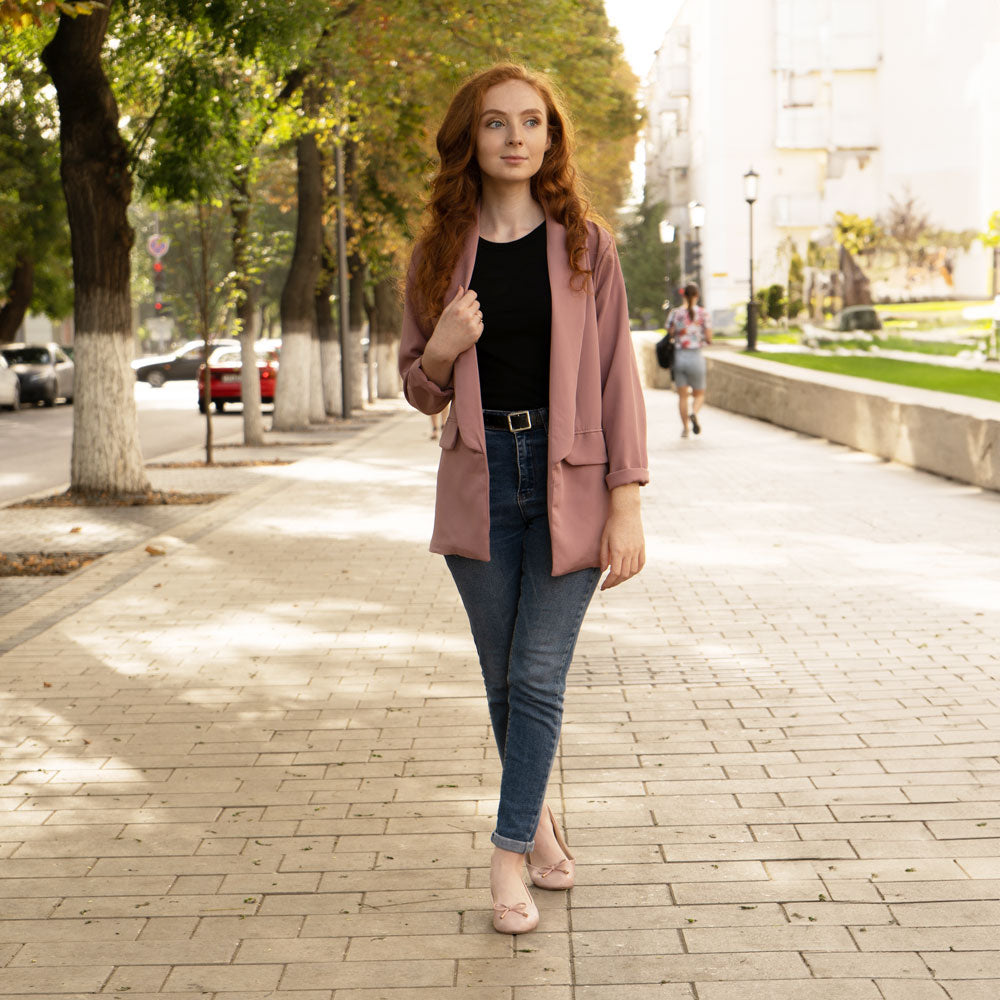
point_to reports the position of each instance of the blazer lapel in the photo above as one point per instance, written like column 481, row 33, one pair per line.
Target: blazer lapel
column 569, row 313
column 468, row 402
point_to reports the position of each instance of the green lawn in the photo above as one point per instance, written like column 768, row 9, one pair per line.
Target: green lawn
column 962, row 381
column 895, row 343
column 914, row 308
column 789, row 336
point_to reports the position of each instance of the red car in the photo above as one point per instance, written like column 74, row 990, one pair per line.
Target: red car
column 226, row 365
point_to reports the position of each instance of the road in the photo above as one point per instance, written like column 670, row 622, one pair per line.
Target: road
column 35, row 442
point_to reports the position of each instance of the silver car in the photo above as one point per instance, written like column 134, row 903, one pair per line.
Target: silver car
column 45, row 371
column 10, row 386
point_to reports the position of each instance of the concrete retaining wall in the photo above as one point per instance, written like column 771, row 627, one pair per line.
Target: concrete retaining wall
column 954, row 436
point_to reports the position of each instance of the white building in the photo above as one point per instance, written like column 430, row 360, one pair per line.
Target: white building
column 839, row 105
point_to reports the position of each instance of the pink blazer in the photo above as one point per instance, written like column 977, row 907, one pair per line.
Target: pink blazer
column 597, row 417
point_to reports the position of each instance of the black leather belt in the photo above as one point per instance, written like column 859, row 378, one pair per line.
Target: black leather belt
column 517, row 420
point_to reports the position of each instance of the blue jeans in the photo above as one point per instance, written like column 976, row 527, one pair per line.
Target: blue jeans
column 525, row 624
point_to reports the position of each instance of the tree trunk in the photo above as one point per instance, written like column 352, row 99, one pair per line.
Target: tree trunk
column 247, row 315
column 203, row 294
column 356, row 306
column 19, row 293
column 298, row 298
column 329, row 341
column 386, row 320
column 106, row 457
column 857, row 290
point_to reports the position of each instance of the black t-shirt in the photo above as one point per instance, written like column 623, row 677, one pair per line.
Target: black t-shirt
column 512, row 283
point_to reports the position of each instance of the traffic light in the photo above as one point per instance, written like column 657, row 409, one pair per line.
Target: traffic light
column 692, row 258
column 158, row 307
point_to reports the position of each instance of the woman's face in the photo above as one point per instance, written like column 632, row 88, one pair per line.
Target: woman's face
column 512, row 134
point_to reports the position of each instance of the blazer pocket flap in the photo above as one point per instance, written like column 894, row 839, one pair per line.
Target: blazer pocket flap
column 449, row 434
column 589, row 448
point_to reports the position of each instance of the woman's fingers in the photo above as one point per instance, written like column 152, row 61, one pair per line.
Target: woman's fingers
column 623, row 565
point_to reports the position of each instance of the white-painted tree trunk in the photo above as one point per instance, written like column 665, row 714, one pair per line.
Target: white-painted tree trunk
column 388, row 383
column 291, row 400
column 355, row 358
column 332, row 387
column 372, row 386
column 253, row 420
column 106, row 457
column 317, row 407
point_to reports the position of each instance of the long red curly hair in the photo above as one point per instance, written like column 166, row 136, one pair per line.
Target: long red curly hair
column 457, row 187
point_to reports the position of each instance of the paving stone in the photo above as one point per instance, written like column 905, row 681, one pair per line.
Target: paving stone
column 911, row 989
column 690, row 968
column 631, row 991
column 827, row 989
column 353, row 975
column 970, row 989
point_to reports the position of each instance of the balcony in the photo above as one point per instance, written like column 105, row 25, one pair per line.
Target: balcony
column 802, row 128
column 679, row 80
column 676, row 152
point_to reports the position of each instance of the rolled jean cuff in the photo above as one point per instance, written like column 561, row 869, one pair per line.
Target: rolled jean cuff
column 506, row 844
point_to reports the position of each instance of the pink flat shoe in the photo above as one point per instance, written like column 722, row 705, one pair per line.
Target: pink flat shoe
column 519, row 918
column 557, row 876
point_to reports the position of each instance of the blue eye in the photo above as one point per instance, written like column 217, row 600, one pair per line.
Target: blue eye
column 494, row 123
column 532, row 121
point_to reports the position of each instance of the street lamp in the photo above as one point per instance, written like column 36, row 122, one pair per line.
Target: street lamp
column 667, row 233
column 696, row 216
column 750, row 193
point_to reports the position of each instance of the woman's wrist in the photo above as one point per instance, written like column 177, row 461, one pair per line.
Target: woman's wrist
column 436, row 366
column 625, row 498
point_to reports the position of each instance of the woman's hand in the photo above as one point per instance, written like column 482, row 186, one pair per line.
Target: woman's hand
column 458, row 328
column 623, row 548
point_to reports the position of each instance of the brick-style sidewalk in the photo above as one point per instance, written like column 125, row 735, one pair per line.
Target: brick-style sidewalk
column 260, row 766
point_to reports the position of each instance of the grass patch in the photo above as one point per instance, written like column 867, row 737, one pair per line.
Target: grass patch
column 960, row 381
column 942, row 347
column 892, row 343
column 789, row 336
column 943, row 306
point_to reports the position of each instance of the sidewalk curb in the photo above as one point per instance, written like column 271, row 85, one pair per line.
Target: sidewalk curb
column 116, row 568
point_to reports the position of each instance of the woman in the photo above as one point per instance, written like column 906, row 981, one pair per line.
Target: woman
column 515, row 312
column 437, row 423
column 691, row 328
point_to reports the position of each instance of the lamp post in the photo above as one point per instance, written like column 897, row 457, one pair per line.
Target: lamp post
column 667, row 233
column 696, row 216
column 750, row 194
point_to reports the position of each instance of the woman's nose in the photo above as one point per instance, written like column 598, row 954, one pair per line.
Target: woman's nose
column 514, row 137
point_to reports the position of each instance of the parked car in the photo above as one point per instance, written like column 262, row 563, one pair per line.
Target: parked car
column 44, row 370
column 181, row 364
column 226, row 367
column 10, row 386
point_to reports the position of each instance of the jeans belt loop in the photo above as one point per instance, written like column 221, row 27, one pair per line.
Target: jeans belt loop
column 526, row 414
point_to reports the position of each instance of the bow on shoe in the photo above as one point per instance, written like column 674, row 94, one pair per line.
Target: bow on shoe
column 521, row 909
column 544, row 870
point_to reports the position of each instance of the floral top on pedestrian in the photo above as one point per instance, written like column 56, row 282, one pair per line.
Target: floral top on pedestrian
column 690, row 334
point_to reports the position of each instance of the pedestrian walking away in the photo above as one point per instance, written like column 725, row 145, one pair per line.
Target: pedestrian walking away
column 515, row 313
column 437, row 422
column 691, row 328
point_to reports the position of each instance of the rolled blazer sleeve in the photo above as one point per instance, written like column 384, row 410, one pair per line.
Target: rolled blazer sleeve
column 420, row 391
column 622, row 403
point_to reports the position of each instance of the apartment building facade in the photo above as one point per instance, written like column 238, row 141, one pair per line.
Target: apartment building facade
column 838, row 105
